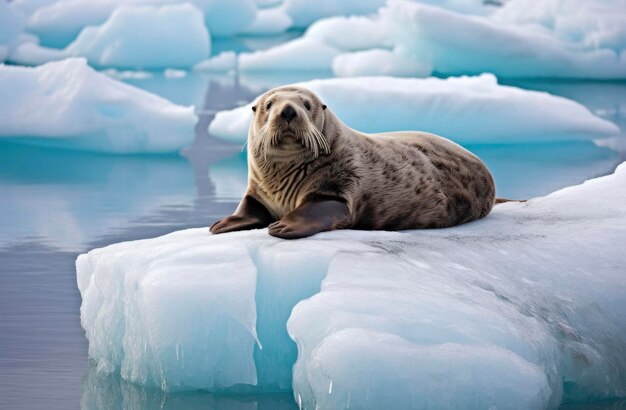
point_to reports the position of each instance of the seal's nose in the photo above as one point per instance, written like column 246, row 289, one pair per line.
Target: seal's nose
column 288, row 113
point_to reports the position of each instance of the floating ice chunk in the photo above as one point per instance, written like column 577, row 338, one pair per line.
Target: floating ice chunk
column 488, row 311
column 269, row 21
column 11, row 26
column 170, row 36
column 31, row 53
column 68, row 104
column 378, row 62
column 225, row 61
column 351, row 33
column 465, row 109
column 483, row 44
column 305, row 12
column 522, row 309
column 300, row 55
column 59, row 23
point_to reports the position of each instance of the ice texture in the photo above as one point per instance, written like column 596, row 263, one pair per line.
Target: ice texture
column 68, row 104
column 553, row 38
column 464, row 109
column 170, row 36
column 508, row 48
column 59, row 23
column 11, row 25
column 297, row 55
column 522, row 309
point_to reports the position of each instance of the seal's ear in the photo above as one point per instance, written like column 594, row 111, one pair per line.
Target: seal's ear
column 254, row 108
column 323, row 106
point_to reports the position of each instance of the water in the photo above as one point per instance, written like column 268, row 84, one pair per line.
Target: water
column 56, row 204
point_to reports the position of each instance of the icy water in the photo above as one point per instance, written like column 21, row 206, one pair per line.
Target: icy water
column 56, row 204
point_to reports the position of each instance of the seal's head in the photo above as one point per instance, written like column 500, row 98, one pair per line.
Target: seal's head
column 288, row 122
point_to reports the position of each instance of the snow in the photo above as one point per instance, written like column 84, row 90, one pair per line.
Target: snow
column 68, row 104
column 171, row 36
column 297, row 55
column 365, row 33
column 225, row 61
column 59, row 23
column 465, row 109
column 522, row 309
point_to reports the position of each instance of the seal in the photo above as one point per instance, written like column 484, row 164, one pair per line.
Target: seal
column 308, row 172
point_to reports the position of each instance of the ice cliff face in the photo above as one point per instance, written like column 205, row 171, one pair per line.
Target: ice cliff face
column 523, row 309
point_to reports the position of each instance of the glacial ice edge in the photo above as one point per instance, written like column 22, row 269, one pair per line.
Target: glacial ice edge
column 524, row 308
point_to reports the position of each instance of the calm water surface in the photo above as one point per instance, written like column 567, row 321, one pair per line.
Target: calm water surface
column 56, row 204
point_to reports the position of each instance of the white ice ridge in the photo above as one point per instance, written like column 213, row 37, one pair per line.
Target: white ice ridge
column 543, row 38
column 523, row 309
column 465, row 109
column 68, row 104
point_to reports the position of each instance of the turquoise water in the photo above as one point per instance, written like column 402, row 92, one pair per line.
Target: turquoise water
column 56, row 204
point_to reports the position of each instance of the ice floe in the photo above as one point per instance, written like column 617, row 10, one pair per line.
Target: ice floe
column 464, row 109
column 59, row 23
column 522, row 309
column 11, row 25
column 170, row 36
column 565, row 39
column 68, row 104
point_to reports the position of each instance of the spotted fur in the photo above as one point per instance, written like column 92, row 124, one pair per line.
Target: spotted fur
column 390, row 181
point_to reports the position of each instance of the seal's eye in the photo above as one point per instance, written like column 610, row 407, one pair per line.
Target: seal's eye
column 307, row 105
column 268, row 105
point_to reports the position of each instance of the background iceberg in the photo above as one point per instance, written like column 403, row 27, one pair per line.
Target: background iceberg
column 170, row 36
column 466, row 109
column 60, row 22
column 68, row 104
column 525, row 304
column 560, row 39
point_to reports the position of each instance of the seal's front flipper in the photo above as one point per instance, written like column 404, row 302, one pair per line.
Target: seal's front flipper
column 316, row 214
column 250, row 214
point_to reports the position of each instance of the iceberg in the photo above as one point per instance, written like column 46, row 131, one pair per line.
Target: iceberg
column 297, row 55
column 171, row 36
column 522, row 309
column 465, row 109
column 68, row 104
column 305, row 12
column 57, row 24
column 508, row 48
column 11, row 26
column 269, row 21
column 224, row 61
column 556, row 39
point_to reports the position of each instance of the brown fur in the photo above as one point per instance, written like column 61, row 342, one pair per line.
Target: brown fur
column 390, row 181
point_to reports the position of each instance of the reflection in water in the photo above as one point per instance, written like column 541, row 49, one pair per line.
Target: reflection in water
column 55, row 204
column 108, row 391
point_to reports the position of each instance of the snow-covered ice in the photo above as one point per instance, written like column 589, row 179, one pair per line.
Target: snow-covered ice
column 68, row 104
column 522, row 309
column 465, row 109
